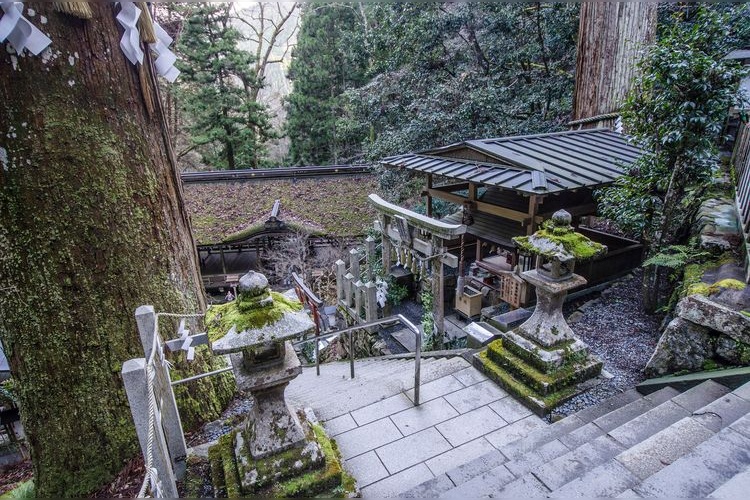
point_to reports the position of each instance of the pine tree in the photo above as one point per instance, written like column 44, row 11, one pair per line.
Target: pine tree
column 228, row 126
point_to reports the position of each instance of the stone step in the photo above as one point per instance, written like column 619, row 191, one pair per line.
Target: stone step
column 339, row 396
column 319, row 387
column 548, row 458
column 523, row 437
column 702, row 470
column 577, row 474
column 593, row 448
column 606, row 422
column 736, row 487
column 653, row 454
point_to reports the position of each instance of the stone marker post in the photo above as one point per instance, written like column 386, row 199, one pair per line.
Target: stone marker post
column 146, row 318
column 136, row 387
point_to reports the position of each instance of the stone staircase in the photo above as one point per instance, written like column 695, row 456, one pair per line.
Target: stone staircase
column 334, row 393
column 665, row 444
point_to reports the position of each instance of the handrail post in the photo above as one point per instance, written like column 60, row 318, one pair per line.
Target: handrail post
column 317, row 357
column 417, row 362
column 351, row 352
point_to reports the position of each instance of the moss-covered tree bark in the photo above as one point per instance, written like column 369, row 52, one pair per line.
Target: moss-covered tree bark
column 91, row 226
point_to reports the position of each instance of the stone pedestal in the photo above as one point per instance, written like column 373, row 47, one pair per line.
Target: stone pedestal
column 547, row 326
column 271, row 426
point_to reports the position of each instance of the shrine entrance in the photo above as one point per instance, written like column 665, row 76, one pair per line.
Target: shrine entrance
column 417, row 244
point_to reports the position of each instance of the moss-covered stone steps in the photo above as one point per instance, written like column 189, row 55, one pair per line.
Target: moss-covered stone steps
column 537, row 385
column 543, row 383
column 541, row 405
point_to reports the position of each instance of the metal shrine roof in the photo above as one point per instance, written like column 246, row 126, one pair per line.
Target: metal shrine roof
column 534, row 164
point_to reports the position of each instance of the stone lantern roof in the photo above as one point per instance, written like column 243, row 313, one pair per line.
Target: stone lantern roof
column 558, row 241
column 257, row 317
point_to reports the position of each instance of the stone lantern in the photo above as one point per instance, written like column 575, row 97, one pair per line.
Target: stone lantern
column 256, row 331
column 557, row 247
column 264, row 362
column 542, row 361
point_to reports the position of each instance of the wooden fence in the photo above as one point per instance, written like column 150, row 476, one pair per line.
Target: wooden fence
column 741, row 162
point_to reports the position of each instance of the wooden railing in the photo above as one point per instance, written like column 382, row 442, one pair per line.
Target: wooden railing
column 741, row 162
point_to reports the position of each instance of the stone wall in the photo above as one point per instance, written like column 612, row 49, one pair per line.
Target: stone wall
column 711, row 327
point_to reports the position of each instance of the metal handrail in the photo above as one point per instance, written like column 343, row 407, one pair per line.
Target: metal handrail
column 399, row 318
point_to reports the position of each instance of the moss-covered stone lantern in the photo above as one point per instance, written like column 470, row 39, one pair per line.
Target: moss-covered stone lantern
column 276, row 452
column 542, row 361
column 255, row 330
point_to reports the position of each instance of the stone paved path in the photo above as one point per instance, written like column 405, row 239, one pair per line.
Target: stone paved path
column 391, row 445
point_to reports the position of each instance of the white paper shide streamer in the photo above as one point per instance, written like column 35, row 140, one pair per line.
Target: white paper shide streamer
column 19, row 31
column 130, row 42
column 187, row 340
column 165, row 58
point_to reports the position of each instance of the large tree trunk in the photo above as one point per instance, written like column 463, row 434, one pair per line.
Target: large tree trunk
column 611, row 36
column 92, row 225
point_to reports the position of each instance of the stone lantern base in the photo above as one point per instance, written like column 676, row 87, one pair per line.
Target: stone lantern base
column 303, row 471
column 541, row 362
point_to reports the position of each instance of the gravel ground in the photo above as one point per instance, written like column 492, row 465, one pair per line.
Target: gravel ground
column 617, row 331
column 238, row 408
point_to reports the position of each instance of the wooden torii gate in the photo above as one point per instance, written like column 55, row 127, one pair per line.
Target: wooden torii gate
column 418, row 240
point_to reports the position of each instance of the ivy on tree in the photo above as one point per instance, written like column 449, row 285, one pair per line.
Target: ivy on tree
column 218, row 82
column 675, row 112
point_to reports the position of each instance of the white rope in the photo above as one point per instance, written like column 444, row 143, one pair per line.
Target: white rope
column 151, row 478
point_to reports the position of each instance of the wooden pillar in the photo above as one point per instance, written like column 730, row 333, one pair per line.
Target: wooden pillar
column 438, row 304
column 472, row 191
column 534, row 202
column 429, row 198
column 223, row 262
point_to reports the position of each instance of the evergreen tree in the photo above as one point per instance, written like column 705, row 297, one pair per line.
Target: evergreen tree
column 218, row 83
column 676, row 112
column 382, row 78
column 326, row 62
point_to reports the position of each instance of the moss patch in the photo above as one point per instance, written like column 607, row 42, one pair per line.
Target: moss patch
column 543, row 384
column 233, row 210
column 706, row 289
column 217, row 472
column 221, row 318
column 541, row 405
column 229, row 465
column 318, row 481
column 693, row 274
